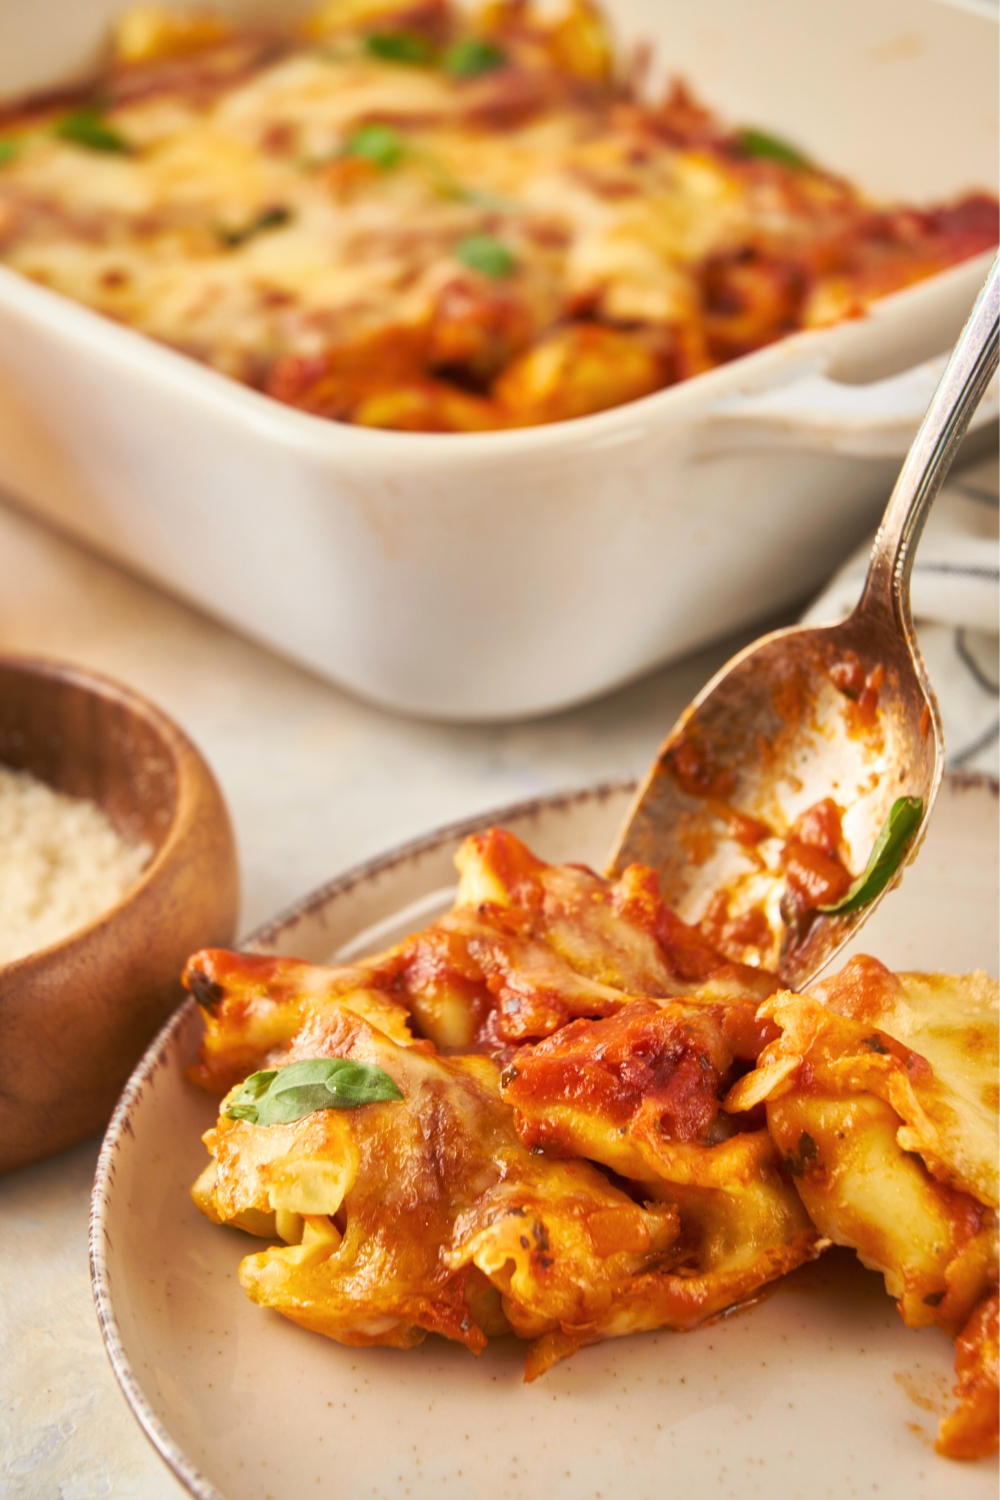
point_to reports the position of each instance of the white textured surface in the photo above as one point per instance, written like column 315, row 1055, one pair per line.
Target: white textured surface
column 315, row 781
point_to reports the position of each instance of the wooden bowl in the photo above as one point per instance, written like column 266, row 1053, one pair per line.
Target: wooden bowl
column 75, row 1016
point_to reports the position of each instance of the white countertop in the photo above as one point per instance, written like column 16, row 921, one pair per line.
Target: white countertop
column 315, row 781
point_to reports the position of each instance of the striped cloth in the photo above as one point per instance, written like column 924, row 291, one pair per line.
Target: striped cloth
column 956, row 606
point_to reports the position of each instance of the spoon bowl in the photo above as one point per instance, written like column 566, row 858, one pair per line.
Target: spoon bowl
column 817, row 751
column 788, row 723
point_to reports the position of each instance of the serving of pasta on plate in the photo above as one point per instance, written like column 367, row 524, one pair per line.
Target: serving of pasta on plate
column 560, row 1113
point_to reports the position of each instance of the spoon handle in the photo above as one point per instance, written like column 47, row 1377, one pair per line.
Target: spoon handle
column 967, row 374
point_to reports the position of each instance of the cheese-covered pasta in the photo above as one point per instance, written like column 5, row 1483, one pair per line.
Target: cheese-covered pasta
column 589, row 1123
column 881, row 1095
column 404, row 214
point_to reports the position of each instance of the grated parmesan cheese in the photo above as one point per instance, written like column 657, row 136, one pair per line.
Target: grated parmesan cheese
column 62, row 864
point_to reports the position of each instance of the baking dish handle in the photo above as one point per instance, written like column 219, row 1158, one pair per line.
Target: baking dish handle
column 816, row 413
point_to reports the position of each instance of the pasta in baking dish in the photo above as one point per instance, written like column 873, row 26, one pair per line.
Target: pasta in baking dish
column 408, row 215
column 558, row 1112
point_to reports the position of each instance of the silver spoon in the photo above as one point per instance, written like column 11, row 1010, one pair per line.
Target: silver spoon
column 843, row 712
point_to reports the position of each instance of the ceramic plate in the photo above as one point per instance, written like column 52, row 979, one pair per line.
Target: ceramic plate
column 818, row 1391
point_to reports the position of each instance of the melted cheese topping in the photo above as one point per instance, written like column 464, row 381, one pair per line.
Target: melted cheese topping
column 392, row 1206
column 302, row 212
column 950, row 1109
column 883, row 1100
column 455, row 1212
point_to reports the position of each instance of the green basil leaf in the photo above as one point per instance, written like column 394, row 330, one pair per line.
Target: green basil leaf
column 8, row 151
column 756, row 143
column 242, row 1112
column 488, row 256
column 278, row 1096
column 271, row 218
column 890, row 846
column 472, row 56
column 400, row 47
column 258, row 1083
column 379, row 144
column 294, row 1103
column 84, row 127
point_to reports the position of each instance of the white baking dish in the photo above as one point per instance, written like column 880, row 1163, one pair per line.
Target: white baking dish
column 501, row 574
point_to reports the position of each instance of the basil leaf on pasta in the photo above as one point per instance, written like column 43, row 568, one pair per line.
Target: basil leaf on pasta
column 759, row 143
column 400, row 47
column 84, row 127
column 268, row 218
column 277, row 1096
column 472, row 56
column 488, row 256
column 379, row 144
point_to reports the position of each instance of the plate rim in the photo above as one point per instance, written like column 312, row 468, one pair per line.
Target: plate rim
column 155, row 1057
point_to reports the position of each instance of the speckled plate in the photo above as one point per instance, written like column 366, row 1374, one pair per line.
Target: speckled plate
column 817, row 1392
